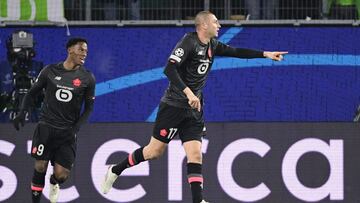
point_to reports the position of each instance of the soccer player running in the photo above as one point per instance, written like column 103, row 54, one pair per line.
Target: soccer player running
column 68, row 85
column 180, row 111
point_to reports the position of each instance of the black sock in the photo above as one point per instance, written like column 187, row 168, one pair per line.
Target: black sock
column 36, row 195
column 195, row 180
column 37, row 185
column 133, row 159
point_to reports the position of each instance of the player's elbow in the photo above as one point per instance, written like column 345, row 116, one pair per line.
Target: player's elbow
column 166, row 71
column 170, row 69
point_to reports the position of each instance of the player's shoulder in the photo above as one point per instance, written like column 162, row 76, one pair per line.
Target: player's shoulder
column 188, row 42
column 87, row 72
column 190, row 36
column 214, row 41
column 52, row 66
column 49, row 67
column 83, row 69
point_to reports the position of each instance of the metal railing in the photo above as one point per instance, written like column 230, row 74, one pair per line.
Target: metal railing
column 134, row 10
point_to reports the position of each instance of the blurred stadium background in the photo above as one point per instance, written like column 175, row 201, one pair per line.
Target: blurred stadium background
column 277, row 131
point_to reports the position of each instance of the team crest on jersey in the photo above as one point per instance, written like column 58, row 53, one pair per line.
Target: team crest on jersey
column 179, row 52
column 76, row 82
column 163, row 132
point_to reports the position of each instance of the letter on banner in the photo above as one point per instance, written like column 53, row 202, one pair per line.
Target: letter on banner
column 334, row 153
column 32, row 10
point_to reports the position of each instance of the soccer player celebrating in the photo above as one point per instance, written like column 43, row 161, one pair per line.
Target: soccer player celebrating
column 68, row 85
column 180, row 111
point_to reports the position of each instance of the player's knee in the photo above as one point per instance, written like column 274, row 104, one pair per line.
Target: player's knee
column 61, row 175
column 61, row 178
column 41, row 167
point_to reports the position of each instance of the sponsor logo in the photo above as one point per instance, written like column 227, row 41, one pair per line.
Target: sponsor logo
column 64, row 87
column 203, row 68
column 63, row 95
column 57, row 78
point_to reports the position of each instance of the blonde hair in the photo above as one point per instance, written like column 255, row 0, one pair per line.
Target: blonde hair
column 201, row 17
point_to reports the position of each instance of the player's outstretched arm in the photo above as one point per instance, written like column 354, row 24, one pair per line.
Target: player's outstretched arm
column 222, row 49
column 275, row 55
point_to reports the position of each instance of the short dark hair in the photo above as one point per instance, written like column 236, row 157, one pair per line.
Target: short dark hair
column 201, row 16
column 71, row 42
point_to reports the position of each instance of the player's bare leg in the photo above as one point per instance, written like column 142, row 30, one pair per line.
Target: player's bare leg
column 194, row 169
column 38, row 180
column 153, row 150
column 59, row 176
